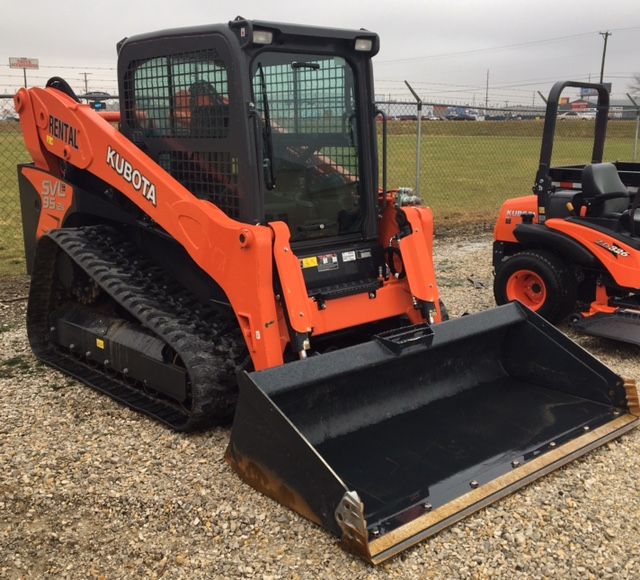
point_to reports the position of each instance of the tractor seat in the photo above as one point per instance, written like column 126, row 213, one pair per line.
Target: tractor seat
column 601, row 180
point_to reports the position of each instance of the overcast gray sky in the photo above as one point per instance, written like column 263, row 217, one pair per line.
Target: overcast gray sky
column 443, row 47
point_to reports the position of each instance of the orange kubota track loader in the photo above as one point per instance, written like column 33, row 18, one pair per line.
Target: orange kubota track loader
column 230, row 232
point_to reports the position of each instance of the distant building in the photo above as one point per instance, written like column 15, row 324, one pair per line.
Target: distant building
column 622, row 109
column 618, row 108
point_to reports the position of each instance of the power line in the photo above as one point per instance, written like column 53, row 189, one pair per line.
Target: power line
column 502, row 47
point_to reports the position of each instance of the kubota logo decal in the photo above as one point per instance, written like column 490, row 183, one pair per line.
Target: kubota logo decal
column 133, row 176
column 517, row 212
column 615, row 250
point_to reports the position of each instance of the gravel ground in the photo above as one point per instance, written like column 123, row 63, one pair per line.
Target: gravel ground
column 91, row 489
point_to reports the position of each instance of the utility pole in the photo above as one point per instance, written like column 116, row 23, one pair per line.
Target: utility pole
column 635, row 142
column 86, row 84
column 486, row 94
column 606, row 36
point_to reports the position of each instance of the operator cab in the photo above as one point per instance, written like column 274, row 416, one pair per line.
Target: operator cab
column 269, row 122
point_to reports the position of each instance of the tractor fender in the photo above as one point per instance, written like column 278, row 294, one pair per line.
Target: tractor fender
column 539, row 235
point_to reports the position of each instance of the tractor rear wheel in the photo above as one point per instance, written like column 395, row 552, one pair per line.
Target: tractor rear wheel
column 538, row 279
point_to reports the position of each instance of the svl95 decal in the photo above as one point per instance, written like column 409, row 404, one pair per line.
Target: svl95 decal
column 53, row 195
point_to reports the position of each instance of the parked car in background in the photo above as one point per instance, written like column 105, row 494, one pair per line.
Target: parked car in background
column 463, row 114
column 584, row 115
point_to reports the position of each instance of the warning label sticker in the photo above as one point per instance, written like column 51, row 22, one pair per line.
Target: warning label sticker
column 328, row 262
column 348, row 256
column 310, row 262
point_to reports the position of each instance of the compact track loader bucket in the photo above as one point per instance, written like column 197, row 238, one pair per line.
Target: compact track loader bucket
column 388, row 442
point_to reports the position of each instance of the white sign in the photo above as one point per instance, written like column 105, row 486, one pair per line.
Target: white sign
column 23, row 62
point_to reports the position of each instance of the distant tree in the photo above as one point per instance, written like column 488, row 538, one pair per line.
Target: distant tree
column 635, row 84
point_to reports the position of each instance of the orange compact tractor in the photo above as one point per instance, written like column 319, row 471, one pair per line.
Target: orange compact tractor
column 227, row 247
column 573, row 248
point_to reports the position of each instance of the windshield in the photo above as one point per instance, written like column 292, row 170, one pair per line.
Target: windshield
column 310, row 143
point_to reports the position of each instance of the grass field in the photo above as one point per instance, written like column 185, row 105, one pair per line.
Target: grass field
column 467, row 168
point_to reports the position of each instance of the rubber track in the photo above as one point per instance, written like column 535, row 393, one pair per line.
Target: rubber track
column 211, row 348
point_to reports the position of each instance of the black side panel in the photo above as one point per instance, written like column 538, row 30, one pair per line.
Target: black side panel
column 90, row 208
column 544, row 237
column 173, row 258
column 269, row 453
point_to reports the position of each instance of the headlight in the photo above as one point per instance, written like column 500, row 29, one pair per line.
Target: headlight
column 364, row 44
column 262, row 37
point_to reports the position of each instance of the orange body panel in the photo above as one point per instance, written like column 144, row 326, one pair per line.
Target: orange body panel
column 293, row 286
column 511, row 215
column 623, row 265
column 417, row 254
column 239, row 257
column 56, row 198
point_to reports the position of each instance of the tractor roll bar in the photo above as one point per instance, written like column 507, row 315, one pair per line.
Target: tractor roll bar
column 542, row 186
column 551, row 117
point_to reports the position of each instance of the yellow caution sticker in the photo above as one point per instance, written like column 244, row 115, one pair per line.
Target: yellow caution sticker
column 310, row 262
column 50, row 139
column 100, row 343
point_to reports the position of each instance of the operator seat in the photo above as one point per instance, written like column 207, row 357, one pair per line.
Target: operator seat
column 209, row 112
column 601, row 180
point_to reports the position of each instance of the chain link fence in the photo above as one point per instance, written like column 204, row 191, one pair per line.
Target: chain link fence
column 12, row 152
column 471, row 159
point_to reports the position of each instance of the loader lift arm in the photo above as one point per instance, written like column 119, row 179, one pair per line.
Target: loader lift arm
column 226, row 250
